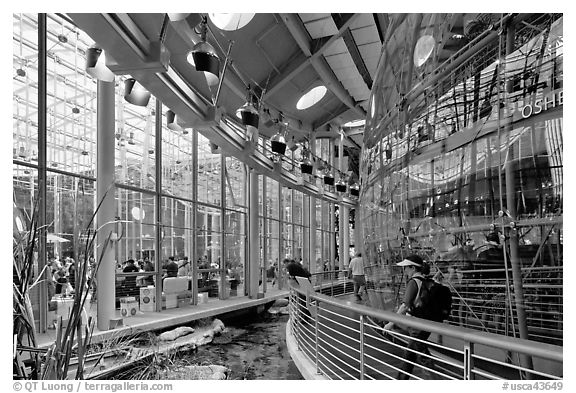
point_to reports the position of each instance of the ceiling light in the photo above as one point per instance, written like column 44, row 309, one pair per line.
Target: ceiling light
column 215, row 149
column 291, row 144
column 355, row 123
column 311, row 98
column 230, row 22
column 423, row 49
column 328, row 177
column 278, row 143
column 204, row 58
column 249, row 116
column 135, row 93
column 355, row 189
column 341, row 185
column 96, row 65
column 174, row 17
column 279, row 140
column 306, row 165
column 171, row 121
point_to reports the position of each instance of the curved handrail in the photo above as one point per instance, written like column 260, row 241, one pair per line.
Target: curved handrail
column 533, row 348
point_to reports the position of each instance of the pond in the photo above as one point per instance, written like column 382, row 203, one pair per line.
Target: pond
column 254, row 349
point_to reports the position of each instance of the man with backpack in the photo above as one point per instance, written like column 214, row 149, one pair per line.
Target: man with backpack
column 423, row 298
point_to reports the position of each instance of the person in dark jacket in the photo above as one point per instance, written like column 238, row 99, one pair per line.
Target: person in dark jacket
column 414, row 267
column 295, row 269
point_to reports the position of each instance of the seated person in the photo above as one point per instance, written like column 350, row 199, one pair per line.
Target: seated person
column 130, row 281
column 61, row 281
column 148, row 267
column 171, row 268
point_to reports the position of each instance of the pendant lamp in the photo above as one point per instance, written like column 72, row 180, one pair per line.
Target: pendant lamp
column 135, row 93
column 96, row 65
column 204, row 58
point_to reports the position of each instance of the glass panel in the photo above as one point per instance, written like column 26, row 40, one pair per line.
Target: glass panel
column 297, row 207
column 135, row 142
column 298, row 243
column 71, row 100
column 176, row 227
column 286, row 204
column 208, row 238
column 272, row 198
column 236, row 184
column 25, row 88
column 138, row 235
column 209, row 171
column 177, row 160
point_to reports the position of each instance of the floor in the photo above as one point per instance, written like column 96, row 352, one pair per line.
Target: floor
column 147, row 321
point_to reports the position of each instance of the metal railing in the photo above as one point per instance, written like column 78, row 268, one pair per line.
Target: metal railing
column 347, row 341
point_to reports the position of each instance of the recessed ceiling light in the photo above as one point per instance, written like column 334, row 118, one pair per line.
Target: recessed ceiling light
column 355, row 123
column 311, row 98
column 231, row 22
column 423, row 49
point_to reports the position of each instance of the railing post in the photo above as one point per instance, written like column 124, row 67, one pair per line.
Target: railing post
column 361, row 347
column 468, row 361
column 316, row 341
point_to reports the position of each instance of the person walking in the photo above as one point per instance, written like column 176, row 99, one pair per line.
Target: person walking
column 356, row 270
column 415, row 270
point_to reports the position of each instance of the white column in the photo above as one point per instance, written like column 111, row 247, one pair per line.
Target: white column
column 253, row 239
column 105, row 193
column 345, row 229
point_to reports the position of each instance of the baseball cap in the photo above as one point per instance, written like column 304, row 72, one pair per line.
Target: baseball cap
column 411, row 260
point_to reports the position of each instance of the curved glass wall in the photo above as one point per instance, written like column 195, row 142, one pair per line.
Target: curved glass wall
column 452, row 177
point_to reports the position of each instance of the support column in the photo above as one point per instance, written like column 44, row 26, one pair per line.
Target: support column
column 345, row 228
column 358, row 231
column 305, row 228
column 253, row 239
column 515, row 262
column 42, row 180
column 194, row 212
column 105, row 195
column 158, row 202
column 222, row 249
column 312, row 225
column 312, row 216
column 332, row 238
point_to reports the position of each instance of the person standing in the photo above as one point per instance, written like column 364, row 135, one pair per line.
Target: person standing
column 356, row 270
column 415, row 270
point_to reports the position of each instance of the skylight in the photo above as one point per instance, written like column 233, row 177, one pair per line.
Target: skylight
column 423, row 49
column 231, row 22
column 311, row 98
column 355, row 123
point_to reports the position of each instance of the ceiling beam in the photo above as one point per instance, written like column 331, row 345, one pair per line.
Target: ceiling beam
column 301, row 36
column 322, row 121
column 357, row 58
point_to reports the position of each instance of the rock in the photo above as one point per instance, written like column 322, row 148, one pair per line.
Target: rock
column 218, row 375
column 280, row 303
column 217, row 327
column 172, row 335
column 199, row 373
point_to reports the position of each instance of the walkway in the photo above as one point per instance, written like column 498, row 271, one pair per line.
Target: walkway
column 148, row 321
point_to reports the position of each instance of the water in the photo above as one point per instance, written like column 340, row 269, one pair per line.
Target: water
column 252, row 348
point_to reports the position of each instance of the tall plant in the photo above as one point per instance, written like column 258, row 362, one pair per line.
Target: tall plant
column 72, row 339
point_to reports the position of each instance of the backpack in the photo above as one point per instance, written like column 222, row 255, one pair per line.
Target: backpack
column 433, row 301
